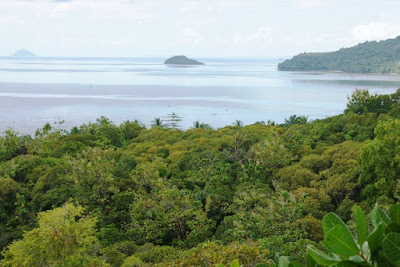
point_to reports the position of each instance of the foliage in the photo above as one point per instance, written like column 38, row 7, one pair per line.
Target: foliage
column 294, row 119
column 172, row 120
column 378, row 247
column 164, row 195
column 379, row 160
column 60, row 240
column 383, row 57
column 211, row 254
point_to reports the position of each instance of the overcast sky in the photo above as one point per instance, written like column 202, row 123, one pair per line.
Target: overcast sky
column 202, row 28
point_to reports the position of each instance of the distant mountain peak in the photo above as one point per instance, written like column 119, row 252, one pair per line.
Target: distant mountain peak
column 23, row 53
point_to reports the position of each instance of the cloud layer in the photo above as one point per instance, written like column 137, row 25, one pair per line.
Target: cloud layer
column 195, row 27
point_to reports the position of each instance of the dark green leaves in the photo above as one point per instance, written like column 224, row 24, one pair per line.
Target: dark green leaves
column 391, row 246
column 375, row 238
column 295, row 264
column 395, row 213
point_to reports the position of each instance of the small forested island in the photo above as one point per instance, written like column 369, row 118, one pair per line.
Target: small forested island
column 23, row 53
column 182, row 60
column 125, row 195
column 370, row 57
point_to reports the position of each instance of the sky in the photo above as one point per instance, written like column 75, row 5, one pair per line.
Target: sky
column 202, row 28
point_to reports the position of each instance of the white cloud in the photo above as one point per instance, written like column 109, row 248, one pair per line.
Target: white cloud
column 201, row 27
column 376, row 30
column 261, row 34
column 224, row 5
column 189, row 6
column 12, row 20
column 191, row 37
column 310, row 3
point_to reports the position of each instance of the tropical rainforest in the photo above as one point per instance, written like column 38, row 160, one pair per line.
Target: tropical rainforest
column 263, row 194
column 368, row 57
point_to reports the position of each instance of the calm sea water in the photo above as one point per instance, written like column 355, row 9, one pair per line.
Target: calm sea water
column 34, row 91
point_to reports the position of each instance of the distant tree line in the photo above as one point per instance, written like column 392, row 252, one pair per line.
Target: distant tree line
column 369, row 57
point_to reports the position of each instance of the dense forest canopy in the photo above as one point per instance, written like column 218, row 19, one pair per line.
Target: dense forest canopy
column 109, row 195
column 368, row 57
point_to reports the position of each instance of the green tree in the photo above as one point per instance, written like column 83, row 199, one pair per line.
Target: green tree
column 65, row 237
column 294, row 119
column 173, row 120
column 157, row 122
column 198, row 125
column 380, row 163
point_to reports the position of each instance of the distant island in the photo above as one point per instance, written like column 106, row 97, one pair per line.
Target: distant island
column 182, row 60
column 23, row 53
column 369, row 57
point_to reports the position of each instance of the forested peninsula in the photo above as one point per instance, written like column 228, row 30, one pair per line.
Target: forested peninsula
column 370, row 57
column 123, row 195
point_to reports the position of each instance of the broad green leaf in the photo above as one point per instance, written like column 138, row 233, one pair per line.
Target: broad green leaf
column 276, row 258
column 330, row 220
column 393, row 228
column 378, row 215
column 383, row 259
column 220, row 265
column 391, row 246
column 295, row 264
column 284, row 261
column 395, row 213
column 375, row 237
column 310, row 261
column 361, row 223
column 340, row 241
column 235, row 263
column 319, row 257
column 347, row 264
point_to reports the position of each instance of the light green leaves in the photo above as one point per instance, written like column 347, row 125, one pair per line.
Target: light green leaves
column 379, row 216
column 235, row 263
column 283, row 261
column 319, row 257
column 340, row 241
column 331, row 220
column 338, row 237
column 361, row 223
column 379, row 248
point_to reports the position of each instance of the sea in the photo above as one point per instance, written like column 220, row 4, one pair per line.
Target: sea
column 68, row 92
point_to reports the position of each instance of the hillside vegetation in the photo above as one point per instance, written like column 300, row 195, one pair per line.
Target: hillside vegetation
column 108, row 195
column 369, row 57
